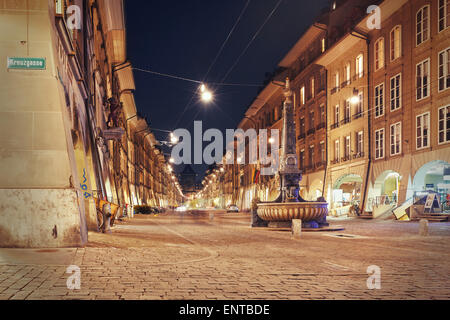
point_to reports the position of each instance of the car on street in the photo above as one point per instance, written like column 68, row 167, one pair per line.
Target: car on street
column 232, row 208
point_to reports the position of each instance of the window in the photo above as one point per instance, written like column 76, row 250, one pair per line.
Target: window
column 360, row 105
column 347, row 111
column 311, row 156
column 360, row 66
column 379, row 54
column 422, row 130
column 423, row 79
column 379, row 144
column 302, row 126
column 311, row 120
column 379, row 100
column 323, row 44
column 322, row 114
column 302, row 95
column 337, row 150
column 443, row 14
column 336, row 114
column 322, row 152
column 347, row 148
column 359, row 143
column 422, row 25
column 347, row 73
column 396, row 138
column 336, row 81
column 444, row 68
column 312, row 87
column 396, row 92
column 444, row 124
column 396, row 42
column 302, row 159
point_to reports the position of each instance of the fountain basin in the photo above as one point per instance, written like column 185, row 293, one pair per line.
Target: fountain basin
column 286, row 212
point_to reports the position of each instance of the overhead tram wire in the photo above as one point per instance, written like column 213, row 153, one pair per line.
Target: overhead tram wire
column 251, row 41
column 171, row 76
column 222, row 82
column 215, row 59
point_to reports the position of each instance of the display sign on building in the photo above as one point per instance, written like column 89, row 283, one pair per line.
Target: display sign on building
column 26, row 63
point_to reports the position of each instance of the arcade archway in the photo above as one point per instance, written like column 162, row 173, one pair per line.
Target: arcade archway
column 386, row 188
column 433, row 176
column 347, row 191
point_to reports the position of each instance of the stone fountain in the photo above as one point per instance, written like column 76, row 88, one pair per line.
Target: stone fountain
column 289, row 205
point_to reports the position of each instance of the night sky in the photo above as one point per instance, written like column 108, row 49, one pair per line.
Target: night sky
column 183, row 38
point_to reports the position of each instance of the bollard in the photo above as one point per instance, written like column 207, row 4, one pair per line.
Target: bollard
column 211, row 216
column 423, row 227
column 296, row 228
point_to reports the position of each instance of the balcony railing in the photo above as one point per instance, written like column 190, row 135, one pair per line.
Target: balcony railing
column 358, row 155
column 320, row 164
column 346, row 120
column 335, row 125
column 321, row 126
column 346, row 158
column 335, row 161
column 358, row 115
column 334, row 90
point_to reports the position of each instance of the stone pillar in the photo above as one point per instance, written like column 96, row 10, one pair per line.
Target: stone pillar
column 423, row 227
column 296, row 228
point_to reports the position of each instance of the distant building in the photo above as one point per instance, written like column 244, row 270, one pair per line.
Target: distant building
column 187, row 180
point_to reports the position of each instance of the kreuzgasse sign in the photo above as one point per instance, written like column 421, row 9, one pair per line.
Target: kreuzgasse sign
column 26, row 63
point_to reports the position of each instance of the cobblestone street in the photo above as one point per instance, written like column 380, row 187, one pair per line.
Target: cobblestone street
column 192, row 257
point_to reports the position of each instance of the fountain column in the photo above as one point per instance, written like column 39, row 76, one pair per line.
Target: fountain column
column 289, row 172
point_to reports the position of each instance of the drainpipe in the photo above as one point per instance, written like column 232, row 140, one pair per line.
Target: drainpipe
column 369, row 165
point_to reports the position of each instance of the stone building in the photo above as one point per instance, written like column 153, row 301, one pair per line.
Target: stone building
column 70, row 134
column 376, row 133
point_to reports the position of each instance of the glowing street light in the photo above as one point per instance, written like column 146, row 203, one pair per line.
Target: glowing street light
column 173, row 138
column 272, row 140
column 355, row 99
column 206, row 95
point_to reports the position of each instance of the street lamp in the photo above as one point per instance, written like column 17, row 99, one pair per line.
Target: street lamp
column 205, row 94
column 355, row 98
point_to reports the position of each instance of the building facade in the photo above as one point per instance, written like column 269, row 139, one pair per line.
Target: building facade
column 70, row 135
column 372, row 109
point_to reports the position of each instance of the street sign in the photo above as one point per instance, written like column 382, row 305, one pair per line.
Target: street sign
column 26, row 63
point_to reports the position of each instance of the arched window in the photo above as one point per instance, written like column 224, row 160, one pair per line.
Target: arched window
column 396, row 42
column 379, row 54
column 422, row 25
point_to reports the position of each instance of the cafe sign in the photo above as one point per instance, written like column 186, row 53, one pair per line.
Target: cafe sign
column 26, row 63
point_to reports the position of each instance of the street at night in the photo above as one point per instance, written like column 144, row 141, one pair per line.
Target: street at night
column 223, row 159
column 190, row 256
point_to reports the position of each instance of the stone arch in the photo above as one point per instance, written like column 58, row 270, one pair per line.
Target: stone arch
column 432, row 176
